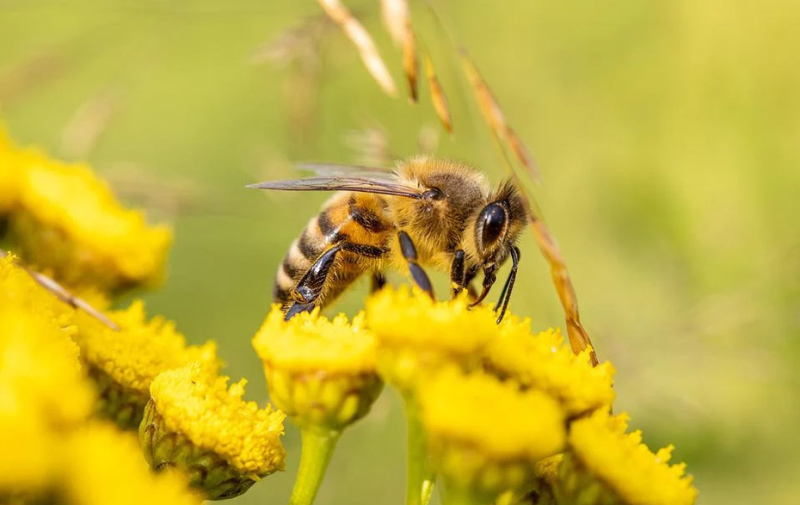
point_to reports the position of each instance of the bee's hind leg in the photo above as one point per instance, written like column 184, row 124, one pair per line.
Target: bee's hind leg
column 307, row 291
column 297, row 308
column 417, row 273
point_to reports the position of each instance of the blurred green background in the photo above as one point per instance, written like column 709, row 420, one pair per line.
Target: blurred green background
column 667, row 134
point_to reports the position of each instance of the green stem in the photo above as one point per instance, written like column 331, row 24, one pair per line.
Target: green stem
column 420, row 476
column 318, row 446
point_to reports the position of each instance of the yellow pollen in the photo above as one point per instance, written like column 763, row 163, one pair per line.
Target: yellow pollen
column 214, row 417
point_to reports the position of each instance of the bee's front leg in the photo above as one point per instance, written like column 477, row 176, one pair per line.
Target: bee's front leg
column 417, row 273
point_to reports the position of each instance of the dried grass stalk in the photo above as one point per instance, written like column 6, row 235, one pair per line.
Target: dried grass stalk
column 494, row 116
column 396, row 18
column 411, row 64
column 438, row 98
column 65, row 296
column 363, row 42
column 90, row 121
column 578, row 337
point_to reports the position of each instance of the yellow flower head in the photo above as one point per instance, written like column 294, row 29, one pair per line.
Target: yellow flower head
column 213, row 427
column 27, row 464
column 42, row 390
column 601, row 453
column 124, row 363
column 486, row 435
column 417, row 334
column 310, row 342
column 40, row 374
column 9, row 175
column 19, row 288
column 102, row 465
column 69, row 221
column 542, row 361
column 320, row 372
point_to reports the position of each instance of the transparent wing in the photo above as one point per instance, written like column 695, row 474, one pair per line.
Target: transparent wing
column 334, row 170
column 346, row 178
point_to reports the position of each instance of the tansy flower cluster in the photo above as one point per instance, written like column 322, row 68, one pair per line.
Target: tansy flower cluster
column 65, row 372
column 52, row 449
column 495, row 413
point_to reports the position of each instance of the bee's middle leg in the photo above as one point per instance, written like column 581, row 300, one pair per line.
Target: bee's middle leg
column 410, row 254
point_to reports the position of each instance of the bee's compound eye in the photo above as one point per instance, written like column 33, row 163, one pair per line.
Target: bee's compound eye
column 493, row 221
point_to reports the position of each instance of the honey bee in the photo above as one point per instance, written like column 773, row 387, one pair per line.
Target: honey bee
column 427, row 212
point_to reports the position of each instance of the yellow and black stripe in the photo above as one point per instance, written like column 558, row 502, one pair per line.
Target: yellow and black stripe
column 355, row 218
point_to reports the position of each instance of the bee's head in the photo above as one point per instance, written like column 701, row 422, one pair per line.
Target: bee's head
column 498, row 225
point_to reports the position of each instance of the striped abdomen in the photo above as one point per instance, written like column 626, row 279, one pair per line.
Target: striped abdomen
column 352, row 218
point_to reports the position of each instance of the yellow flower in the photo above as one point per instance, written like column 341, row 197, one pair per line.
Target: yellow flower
column 605, row 463
column 69, row 221
column 40, row 374
column 320, row 372
column 417, row 335
column 542, row 361
column 195, row 422
column 27, row 464
column 124, row 363
column 43, row 392
column 313, row 342
column 103, row 466
column 485, row 436
column 9, row 175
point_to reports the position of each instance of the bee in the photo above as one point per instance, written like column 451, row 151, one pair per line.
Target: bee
column 427, row 212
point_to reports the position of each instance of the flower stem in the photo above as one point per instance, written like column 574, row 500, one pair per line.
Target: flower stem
column 318, row 446
column 420, row 476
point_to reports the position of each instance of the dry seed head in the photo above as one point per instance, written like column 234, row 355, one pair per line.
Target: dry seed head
column 363, row 42
column 438, row 97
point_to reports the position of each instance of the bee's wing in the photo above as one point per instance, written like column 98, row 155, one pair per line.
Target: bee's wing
column 366, row 181
column 334, row 170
